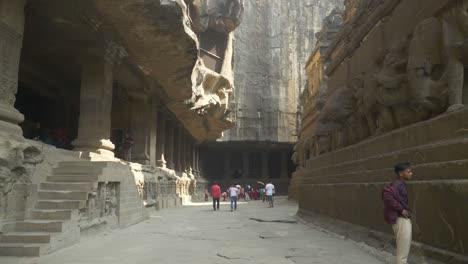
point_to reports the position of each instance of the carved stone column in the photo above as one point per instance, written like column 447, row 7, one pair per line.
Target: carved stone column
column 161, row 140
column 196, row 166
column 153, row 131
column 96, row 102
column 265, row 172
column 11, row 42
column 177, row 148
column 183, row 148
column 169, row 146
column 140, row 128
column 188, row 153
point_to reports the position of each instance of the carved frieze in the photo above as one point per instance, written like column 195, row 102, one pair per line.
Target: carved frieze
column 415, row 78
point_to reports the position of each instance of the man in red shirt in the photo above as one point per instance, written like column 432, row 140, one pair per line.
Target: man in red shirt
column 215, row 193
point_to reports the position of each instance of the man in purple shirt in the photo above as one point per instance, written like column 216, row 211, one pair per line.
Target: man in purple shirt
column 397, row 212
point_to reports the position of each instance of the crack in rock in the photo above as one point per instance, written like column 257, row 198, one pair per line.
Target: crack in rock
column 185, row 237
column 230, row 258
column 274, row 221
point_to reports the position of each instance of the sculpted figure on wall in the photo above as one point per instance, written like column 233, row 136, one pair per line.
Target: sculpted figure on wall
column 418, row 77
column 438, row 52
column 395, row 106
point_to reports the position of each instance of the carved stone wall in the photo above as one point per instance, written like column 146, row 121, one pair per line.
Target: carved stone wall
column 102, row 203
column 17, row 165
column 396, row 91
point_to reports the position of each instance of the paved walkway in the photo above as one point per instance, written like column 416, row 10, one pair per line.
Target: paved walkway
column 196, row 234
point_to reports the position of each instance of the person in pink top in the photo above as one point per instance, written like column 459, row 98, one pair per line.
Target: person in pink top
column 216, row 194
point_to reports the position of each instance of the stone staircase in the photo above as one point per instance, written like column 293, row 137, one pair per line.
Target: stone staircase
column 53, row 223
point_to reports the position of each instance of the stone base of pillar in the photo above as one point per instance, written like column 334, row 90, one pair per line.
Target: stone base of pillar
column 144, row 161
column 9, row 120
column 161, row 162
column 95, row 148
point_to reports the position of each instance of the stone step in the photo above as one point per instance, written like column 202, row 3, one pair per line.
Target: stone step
column 77, row 170
column 82, row 164
column 60, row 204
column 20, row 249
column 51, row 214
column 62, row 195
column 39, row 226
column 72, row 178
column 67, row 186
column 25, row 237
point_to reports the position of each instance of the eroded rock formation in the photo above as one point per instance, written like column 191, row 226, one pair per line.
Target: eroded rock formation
column 195, row 95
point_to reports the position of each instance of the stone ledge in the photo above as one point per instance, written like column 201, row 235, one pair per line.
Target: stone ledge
column 377, row 240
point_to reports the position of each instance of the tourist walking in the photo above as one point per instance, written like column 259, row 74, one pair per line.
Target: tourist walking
column 215, row 194
column 397, row 212
column 247, row 192
column 269, row 191
column 233, row 193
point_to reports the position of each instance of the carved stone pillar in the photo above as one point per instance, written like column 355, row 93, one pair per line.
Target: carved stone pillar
column 161, row 140
column 96, row 102
column 227, row 165
column 245, row 165
column 140, row 128
column 182, row 149
column 196, row 166
column 188, row 153
column 265, row 172
column 177, row 148
column 11, row 41
column 169, row 146
column 153, row 131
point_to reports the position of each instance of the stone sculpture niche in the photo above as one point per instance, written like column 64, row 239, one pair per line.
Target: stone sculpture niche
column 103, row 202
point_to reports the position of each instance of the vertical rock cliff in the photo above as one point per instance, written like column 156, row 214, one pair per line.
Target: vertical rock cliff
column 270, row 51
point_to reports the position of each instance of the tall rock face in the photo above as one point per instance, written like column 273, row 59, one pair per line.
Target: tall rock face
column 270, row 52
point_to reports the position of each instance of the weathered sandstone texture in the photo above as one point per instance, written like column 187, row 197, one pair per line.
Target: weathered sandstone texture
column 269, row 50
column 389, row 87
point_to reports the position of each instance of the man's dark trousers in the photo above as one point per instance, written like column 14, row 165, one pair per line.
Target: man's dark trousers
column 215, row 203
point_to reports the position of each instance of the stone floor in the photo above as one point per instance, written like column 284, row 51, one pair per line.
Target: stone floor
column 197, row 234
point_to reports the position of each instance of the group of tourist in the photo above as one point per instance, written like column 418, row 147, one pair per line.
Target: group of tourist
column 236, row 192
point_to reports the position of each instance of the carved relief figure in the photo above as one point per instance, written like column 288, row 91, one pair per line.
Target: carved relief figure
column 438, row 53
column 395, row 105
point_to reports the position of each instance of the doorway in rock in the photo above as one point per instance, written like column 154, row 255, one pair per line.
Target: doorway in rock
column 48, row 117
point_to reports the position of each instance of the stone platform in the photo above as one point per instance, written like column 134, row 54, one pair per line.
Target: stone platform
column 346, row 184
column 197, row 234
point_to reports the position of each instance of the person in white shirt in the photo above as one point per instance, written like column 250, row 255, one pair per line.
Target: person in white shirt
column 269, row 191
column 233, row 193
